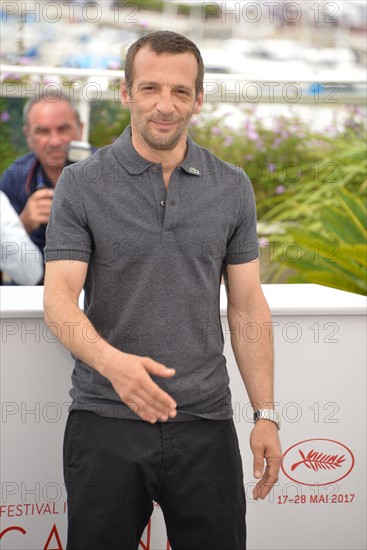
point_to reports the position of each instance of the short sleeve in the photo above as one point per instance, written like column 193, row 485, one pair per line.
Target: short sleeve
column 242, row 247
column 68, row 236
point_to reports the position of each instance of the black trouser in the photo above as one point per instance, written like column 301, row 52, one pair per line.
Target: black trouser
column 114, row 469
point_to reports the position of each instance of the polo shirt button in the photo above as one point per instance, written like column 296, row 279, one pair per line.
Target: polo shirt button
column 154, row 169
column 163, row 203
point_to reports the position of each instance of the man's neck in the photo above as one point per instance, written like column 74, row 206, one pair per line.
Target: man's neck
column 53, row 174
column 169, row 159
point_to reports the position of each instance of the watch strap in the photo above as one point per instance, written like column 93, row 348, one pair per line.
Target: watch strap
column 268, row 414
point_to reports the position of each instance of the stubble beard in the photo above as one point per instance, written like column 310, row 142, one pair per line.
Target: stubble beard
column 161, row 142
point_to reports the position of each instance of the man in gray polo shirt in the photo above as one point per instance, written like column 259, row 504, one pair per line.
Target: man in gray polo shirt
column 148, row 226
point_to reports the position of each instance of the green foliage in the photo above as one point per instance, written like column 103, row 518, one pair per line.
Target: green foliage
column 149, row 5
column 329, row 247
column 12, row 144
column 108, row 120
column 343, row 166
column 291, row 166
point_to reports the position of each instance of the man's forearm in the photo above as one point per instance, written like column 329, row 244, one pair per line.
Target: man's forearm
column 74, row 330
column 252, row 344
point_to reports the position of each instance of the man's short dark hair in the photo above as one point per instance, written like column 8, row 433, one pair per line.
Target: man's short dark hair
column 161, row 42
column 51, row 96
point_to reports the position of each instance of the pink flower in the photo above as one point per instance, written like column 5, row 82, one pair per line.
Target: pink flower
column 277, row 142
column 5, row 117
column 263, row 242
column 252, row 134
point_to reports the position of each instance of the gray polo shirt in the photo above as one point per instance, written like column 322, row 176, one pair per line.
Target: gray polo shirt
column 155, row 258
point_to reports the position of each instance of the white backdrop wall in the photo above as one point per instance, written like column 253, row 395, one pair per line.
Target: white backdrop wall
column 319, row 501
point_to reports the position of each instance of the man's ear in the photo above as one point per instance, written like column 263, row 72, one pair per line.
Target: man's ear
column 199, row 102
column 27, row 136
column 124, row 93
column 127, row 94
column 81, row 126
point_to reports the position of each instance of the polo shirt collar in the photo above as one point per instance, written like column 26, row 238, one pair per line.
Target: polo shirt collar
column 130, row 159
column 127, row 155
column 192, row 162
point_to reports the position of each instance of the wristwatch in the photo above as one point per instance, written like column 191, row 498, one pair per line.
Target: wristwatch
column 268, row 414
